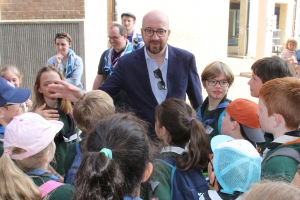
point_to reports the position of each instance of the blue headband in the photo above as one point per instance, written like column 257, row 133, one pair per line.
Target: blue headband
column 107, row 152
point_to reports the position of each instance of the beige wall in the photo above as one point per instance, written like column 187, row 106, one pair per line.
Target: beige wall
column 200, row 27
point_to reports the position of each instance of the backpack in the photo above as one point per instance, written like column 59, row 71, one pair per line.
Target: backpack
column 186, row 185
column 285, row 151
column 49, row 186
column 76, row 162
column 219, row 111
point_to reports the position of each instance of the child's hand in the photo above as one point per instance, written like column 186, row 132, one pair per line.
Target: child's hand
column 47, row 114
column 28, row 103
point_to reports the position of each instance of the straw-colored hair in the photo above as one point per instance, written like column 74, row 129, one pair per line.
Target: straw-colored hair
column 92, row 107
column 11, row 68
column 291, row 40
column 15, row 184
column 268, row 190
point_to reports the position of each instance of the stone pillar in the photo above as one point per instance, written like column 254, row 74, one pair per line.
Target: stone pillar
column 243, row 28
column 253, row 19
column 264, row 28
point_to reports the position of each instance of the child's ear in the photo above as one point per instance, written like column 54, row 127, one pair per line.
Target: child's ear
column 278, row 119
column 234, row 125
column 147, row 172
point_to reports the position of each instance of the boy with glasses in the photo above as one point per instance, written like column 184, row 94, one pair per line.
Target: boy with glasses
column 11, row 98
column 216, row 78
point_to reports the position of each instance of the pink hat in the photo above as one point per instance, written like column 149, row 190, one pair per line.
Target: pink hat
column 31, row 132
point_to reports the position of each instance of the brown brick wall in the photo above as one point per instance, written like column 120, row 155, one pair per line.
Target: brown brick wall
column 42, row 9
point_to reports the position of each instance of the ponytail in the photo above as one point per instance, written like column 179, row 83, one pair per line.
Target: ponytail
column 98, row 177
column 15, row 184
column 184, row 129
column 198, row 148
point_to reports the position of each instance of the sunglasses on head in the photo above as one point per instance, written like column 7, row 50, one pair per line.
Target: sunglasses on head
column 161, row 84
column 60, row 35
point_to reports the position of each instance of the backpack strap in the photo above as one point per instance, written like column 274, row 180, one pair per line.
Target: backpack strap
column 286, row 151
column 49, row 186
column 171, row 163
column 77, row 148
column 220, row 121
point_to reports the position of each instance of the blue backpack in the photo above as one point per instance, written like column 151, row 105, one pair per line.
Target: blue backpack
column 186, row 185
column 76, row 162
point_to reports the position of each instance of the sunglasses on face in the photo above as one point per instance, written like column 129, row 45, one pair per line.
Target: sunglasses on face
column 161, row 84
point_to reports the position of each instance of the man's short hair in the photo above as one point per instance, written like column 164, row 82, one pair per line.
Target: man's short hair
column 92, row 107
column 282, row 96
column 269, row 68
column 129, row 15
column 122, row 29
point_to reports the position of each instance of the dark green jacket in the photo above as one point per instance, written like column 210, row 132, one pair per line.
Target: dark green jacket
column 61, row 145
column 162, row 174
column 281, row 168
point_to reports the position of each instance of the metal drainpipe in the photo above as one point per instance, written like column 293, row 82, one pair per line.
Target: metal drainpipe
column 248, row 14
column 115, row 11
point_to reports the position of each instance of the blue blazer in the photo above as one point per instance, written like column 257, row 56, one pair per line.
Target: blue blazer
column 131, row 75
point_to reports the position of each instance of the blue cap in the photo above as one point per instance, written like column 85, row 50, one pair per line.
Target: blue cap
column 11, row 94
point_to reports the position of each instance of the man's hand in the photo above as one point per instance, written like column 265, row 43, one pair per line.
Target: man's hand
column 47, row 114
column 65, row 90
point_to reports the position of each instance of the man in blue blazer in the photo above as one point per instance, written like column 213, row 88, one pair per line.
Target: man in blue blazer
column 139, row 72
column 153, row 73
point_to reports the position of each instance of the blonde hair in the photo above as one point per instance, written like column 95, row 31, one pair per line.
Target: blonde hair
column 15, row 184
column 38, row 98
column 11, row 68
column 291, row 40
column 92, row 107
column 269, row 190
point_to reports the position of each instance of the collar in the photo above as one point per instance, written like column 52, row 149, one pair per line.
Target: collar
column 148, row 57
column 2, row 129
column 132, row 198
column 287, row 137
column 173, row 149
column 40, row 172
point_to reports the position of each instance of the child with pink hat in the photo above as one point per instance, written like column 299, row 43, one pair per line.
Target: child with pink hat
column 28, row 150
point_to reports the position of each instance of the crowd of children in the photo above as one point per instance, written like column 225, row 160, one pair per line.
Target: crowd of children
column 68, row 145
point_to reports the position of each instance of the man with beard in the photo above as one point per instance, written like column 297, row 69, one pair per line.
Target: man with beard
column 149, row 75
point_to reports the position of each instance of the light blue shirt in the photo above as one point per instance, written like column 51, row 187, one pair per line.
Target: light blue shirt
column 160, row 95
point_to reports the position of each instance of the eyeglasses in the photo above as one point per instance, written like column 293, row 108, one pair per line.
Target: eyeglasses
column 213, row 82
column 160, row 32
column 161, row 84
column 113, row 37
